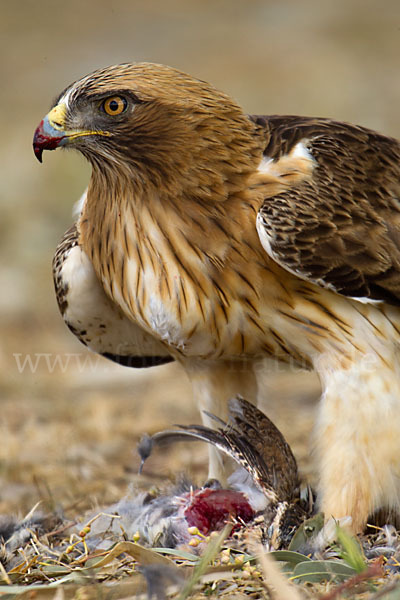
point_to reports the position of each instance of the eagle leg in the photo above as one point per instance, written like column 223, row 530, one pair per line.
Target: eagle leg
column 214, row 384
column 358, row 443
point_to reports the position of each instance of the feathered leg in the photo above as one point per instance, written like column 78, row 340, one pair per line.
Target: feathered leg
column 358, row 442
column 214, row 383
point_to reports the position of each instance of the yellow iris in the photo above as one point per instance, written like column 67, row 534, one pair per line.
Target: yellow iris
column 114, row 105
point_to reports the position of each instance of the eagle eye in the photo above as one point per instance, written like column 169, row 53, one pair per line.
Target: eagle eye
column 115, row 105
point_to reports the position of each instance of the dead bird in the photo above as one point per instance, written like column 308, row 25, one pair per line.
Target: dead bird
column 266, row 482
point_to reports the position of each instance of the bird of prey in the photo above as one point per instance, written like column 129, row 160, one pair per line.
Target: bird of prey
column 216, row 239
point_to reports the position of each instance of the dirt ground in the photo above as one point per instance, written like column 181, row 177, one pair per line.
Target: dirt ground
column 70, row 421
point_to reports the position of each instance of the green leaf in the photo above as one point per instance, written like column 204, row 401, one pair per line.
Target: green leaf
column 55, row 570
column 316, row 571
column 350, row 550
column 293, row 558
column 178, row 553
column 9, row 591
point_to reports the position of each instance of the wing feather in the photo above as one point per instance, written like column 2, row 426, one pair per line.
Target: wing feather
column 93, row 317
column 339, row 228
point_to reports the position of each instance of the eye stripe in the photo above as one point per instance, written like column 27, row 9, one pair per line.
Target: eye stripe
column 114, row 105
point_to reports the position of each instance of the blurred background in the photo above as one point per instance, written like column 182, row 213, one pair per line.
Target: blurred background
column 70, row 420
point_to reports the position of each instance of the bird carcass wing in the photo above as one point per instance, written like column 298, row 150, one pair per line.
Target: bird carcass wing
column 338, row 227
column 250, row 439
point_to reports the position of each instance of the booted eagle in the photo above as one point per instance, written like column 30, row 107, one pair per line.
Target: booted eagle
column 216, row 239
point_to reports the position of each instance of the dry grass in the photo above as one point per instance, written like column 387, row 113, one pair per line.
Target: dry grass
column 72, row 560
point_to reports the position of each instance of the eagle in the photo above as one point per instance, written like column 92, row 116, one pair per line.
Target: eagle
column 216, row 239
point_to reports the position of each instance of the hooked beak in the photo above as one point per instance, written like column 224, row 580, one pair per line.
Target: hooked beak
column 51, row 132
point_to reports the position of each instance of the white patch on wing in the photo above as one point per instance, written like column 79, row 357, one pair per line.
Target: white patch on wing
column 89, row 309
column 366, row 300
column 300, row 151
column 269, row 166
column 77, row 272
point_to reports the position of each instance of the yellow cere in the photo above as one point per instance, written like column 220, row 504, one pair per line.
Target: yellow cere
column 57, row 116
column 56, row 119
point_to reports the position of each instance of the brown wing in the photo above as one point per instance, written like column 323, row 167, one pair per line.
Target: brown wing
column 249, row 438
column 340, row 227
column 258, row 430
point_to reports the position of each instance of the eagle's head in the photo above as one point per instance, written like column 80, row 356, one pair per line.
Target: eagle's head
column 151, row 123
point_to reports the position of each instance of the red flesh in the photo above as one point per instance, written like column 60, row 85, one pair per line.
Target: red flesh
column 209, row 510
